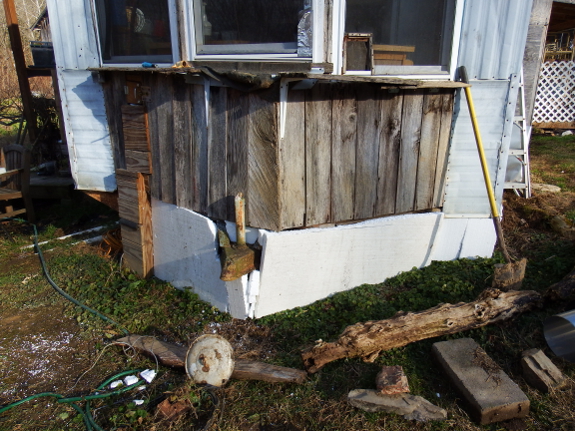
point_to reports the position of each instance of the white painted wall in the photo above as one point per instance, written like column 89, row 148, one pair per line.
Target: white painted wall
column 186, row 255
column 302, row 266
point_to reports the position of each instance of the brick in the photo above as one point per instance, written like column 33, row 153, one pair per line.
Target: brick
column 490, row 394
column 392, row 380
column 540, row 372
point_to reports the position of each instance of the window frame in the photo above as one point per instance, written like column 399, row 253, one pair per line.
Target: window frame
column 407, row 72
column 174, row 39
column 318, row 18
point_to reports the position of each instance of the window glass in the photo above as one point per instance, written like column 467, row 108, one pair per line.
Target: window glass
column 250, row 26
column 134, row 31
column 404, row 32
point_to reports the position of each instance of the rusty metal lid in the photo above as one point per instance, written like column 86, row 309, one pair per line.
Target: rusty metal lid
column 209, row 360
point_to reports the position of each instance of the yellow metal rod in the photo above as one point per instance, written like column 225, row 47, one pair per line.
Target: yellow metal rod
column 479, row 142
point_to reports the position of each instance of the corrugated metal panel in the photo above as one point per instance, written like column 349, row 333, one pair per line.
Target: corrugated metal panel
column 465, row 192
column 73, row 34
column 87, row 131
column 493, row 37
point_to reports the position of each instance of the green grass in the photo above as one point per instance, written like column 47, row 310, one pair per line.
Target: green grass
column 153, row 307
column 553, row 161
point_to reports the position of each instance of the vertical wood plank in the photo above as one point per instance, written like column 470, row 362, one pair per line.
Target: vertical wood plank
column 217, row 152
column 409, row 150
column 367, row 156
column 426, row 165
column 134, row 206
column 292, row 163
column 391, row 107
column 153, row 108
column 344, row 141
column 262, row 200
column 237, row 155
column 166, row 133
column 114, row 98
column 447, row 99
column 318, row 155
column 199, row 151
column 182, row 144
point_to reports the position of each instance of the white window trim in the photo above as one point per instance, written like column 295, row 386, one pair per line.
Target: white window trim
column 174, row 39
column 339, row 31
column 318, row 14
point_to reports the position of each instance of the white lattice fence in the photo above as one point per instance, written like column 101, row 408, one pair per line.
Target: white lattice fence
column 555, row 98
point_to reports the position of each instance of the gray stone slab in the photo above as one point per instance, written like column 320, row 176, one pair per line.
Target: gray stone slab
column 411, row 407
column 491, row 395
column 540, row 372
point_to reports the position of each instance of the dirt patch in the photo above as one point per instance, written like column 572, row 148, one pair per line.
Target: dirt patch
column 40, row 351
column 250, row 341
column 524, row 219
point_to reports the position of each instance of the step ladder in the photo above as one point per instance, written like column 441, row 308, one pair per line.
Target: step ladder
column 517, row 176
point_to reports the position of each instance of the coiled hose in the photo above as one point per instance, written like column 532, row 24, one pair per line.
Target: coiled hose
column 86, row 414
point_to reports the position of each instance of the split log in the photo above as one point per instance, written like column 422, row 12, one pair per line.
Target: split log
column 368, row 339
column 175, row 356
column 562, row 290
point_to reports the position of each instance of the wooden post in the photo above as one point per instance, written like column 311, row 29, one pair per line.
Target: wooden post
column 240, row 204
column 21, row 70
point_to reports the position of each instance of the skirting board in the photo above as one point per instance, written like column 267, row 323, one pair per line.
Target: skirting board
column 299, row 267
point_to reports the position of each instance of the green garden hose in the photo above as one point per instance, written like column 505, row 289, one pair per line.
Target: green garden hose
column 86, row 414
column 57, row 288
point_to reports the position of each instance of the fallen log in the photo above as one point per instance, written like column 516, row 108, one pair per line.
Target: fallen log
column 368, row 339
column 175, row 356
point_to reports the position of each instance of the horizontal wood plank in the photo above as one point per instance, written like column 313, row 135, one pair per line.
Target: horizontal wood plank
column 134, row 116
column 139, row 161
column 136, row 139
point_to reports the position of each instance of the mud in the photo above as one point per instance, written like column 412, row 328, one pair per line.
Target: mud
column 40, row 351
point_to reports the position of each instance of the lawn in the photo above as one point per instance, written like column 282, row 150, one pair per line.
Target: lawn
column 51, row 345
column 553, row 161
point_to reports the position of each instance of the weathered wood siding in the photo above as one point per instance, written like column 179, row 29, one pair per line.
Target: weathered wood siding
column 368, row 152
column 349, row 151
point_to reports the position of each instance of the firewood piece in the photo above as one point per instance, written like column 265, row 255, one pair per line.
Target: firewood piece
column 252, row 370
column 540, row 372
column 563, row 289
column 391, row 380
column 175, row 356
column 369, row 338
column 237, row 259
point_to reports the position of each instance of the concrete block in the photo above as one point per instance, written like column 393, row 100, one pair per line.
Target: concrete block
column 540, row 372
column 392, row 380
column 411, row 407
column 491, row 395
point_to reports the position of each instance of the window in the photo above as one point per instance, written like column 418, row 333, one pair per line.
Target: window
column 135, row 31
column 253, row 27
column 407, row 36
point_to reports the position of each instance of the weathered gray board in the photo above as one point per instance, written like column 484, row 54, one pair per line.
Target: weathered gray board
column 349, row 152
